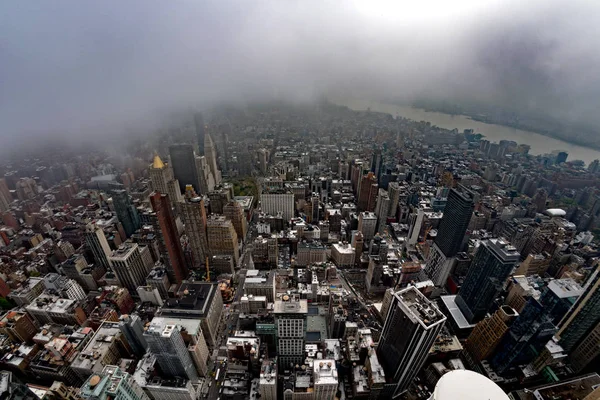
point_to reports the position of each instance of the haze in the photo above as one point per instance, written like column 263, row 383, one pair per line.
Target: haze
column 72, row 69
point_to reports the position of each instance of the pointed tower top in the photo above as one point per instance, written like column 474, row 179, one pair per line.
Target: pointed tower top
column 157, row 163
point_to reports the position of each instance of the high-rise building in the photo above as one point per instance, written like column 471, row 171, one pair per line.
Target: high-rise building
column 18, row 326
column 65, row 287
column 199, row 301
column 194, row 218
column 488, row 333
column 491, row 266
column 167, row 345
column 206, row 180
column 126, row 211
column 325, row 377
column 454, row 223
column 526, row 337
column 210, row 152
column 200, row 132
column 129, row 267
column 268, row 381
column 410, row 329
column 184, row 165
column 278, row 201
column 218, row 198
column 112, row 383
column 235, row 213
column 367, row 224
column 381, row 209
column 132, row 327
column 96, row 241
column 450, row 236
column 5, row 196
column 169, row 244
column 222, row 239
column 578, row 330
column 290, row 321
column 161, row 176
column 394, row 194
column 367, row 194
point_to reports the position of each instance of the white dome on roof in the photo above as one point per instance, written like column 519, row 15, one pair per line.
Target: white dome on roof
column 556, row 212
column 466, row 385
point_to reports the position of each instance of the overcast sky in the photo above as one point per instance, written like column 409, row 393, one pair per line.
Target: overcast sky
column 82, row 68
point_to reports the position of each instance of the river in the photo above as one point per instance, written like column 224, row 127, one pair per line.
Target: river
column 540, row 144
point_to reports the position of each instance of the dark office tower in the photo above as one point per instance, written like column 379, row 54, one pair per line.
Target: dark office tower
column 132, row 327
column 183, row 162
column 450, row 236
column 561, row 157
column 526, row 337
column 169, row 244
column 194, row 218
column 411, row 326
column 493, row 263
column 454, row 223
column 367, row 194
column 377, row 164
column 582, row 318
column 200, row 132
column 126, row 212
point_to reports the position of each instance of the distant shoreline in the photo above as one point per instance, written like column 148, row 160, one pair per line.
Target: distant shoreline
column 494, row 121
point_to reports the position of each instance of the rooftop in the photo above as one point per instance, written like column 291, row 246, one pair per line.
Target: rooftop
column 325, row 372
column 51, row 303
column 290, row 305
column 193, row 298
column 99, row 345
column 420, row 308
column 564, row 288
column 455, row 313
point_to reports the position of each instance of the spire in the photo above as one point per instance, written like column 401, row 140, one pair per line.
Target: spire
column 157, row 163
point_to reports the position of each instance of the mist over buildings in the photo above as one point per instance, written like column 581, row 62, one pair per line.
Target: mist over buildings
column 73, row 69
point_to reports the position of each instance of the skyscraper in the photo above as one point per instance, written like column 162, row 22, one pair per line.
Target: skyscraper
column 206, row 181
column 411, row 326
column 367, row 194
column 488, row 333
column 200, row 132
column 96, row 241
column 454, row 223
column 161, row 176
column 169, row 244
column 129, row 267
column 450, row 236
column 166, row 343
column 210, row 152
column 132, row 327
column 194, row 218
column 382, row 208
column 290, row 324
column 579, row 330
column 126, row 211
column 491, row 266
column 235, row 213
column 183, row 162
column 222, row 239
column 394, row 194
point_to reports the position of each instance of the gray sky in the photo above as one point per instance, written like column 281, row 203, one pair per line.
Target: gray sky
column 79, row 69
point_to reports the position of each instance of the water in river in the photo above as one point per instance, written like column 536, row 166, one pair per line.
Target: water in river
column 539, row 144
